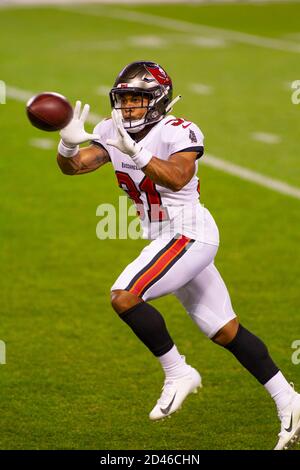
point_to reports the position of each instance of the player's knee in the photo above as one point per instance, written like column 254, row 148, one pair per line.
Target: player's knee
column 122, row 300
column 227, row 333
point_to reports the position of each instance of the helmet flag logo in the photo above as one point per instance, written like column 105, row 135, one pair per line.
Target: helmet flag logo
column 160, row 75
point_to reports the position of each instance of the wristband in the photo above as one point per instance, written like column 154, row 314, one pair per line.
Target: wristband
column 142, row 158
column 66, row 151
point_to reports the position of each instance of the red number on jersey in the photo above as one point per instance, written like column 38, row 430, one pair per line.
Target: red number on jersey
column 178, row 122
column 156, row 212
column 127, row 184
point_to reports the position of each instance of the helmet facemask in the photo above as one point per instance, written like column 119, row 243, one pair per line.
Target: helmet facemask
column 152, row 101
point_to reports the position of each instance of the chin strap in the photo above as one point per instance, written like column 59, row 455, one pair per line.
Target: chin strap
column 169, row 107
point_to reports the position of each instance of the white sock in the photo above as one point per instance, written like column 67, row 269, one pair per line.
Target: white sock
column 280, row 390
column 174, row 364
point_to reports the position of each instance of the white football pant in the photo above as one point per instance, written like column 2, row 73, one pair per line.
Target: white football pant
column 185, row 268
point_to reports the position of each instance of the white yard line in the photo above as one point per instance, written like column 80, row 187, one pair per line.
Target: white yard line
column 200, row 88
column 18, row 94
column 266, row 138
column 45, row 144
column 208, row 42
column 253, row 176
column 162, row 41
column 103, row 90
column 147, row 41
column 167, row 23
column 209, row 160
column 189, row 28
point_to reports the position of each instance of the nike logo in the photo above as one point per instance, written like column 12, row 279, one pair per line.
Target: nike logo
column 165, row 411
column 291, row 424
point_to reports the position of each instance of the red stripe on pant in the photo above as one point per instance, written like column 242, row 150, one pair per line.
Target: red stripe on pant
column 160, row 265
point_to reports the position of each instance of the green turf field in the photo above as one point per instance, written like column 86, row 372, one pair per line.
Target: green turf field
column 76, row 377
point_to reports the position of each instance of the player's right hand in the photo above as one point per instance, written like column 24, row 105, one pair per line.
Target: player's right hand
column 74, row 133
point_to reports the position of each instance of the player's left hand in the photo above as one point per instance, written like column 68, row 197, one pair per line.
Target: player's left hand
column 123, row 142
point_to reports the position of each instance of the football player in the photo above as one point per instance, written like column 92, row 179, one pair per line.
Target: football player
column 155, row 159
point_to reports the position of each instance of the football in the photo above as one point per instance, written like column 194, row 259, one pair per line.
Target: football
column 49, row 111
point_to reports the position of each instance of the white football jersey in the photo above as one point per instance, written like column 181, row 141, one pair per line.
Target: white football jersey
column 161, row 210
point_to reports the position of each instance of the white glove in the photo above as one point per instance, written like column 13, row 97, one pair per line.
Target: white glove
column 126, row 144
column 74, row 133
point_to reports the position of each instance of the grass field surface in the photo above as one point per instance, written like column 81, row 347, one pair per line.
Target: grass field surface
column 76, row 377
